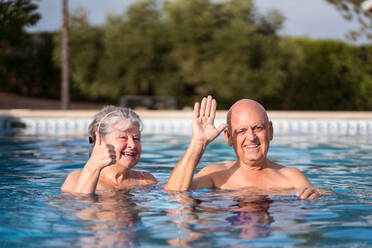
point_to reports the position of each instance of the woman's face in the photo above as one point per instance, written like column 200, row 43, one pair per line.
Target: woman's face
column 127, row 144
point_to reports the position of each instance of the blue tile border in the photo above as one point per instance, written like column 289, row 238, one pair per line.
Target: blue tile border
column 79, row 126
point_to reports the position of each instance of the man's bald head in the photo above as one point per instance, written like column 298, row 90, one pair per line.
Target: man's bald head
column 246, row 106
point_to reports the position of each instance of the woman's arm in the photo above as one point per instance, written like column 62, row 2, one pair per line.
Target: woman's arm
column 85, row 181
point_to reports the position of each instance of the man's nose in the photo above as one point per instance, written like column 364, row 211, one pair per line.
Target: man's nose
column 250, row 134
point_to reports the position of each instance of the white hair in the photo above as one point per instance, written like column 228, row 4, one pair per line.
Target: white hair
column 109, row 116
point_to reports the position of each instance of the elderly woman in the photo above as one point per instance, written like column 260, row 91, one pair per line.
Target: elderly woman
column 116, row 136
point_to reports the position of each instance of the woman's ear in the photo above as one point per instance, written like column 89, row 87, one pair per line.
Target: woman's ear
column 227, row 137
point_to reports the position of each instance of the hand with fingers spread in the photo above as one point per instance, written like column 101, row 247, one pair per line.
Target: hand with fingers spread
column 102, row 154
column 203, row 128
column 203, row 133
column 308, row 193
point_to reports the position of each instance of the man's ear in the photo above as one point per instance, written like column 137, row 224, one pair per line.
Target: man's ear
column 228, row 137
column 271, row 130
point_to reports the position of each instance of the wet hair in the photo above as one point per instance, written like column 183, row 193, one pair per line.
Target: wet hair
column 109, row 116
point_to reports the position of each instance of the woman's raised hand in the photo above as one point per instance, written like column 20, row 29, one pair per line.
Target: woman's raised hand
column 203, row 128
column 103, row 154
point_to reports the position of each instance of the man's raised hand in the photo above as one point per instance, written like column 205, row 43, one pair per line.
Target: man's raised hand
column 203, row 128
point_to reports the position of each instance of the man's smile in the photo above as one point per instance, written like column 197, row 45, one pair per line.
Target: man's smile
column 251, row 146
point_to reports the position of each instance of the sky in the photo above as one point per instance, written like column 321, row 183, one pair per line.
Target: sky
column 310, row 18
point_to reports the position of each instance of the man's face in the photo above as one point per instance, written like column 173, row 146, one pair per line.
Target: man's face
column 250, row 134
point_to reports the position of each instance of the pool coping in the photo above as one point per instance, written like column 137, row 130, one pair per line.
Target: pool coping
column 76, row 122
column 273, row 114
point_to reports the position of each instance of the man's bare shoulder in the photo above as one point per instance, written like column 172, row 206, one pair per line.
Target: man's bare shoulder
column 207, row 176
column 284, row 170
column 289, row 171
column 213, row 168
column 295, row 176
column 275, row 166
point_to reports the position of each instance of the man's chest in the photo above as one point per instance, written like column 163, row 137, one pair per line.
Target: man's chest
column 270, row 180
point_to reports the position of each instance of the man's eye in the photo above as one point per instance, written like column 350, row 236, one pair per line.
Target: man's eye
column 123, row 137
column 258, row 128
column 240, row 131
column 137, row 138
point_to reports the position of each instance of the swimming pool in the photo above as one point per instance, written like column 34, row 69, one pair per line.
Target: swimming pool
column 34, row 213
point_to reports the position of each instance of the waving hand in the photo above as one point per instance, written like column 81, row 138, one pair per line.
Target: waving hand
column 203, row 128
column 203, row 133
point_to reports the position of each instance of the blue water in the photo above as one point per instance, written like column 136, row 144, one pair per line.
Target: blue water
column 34, row 213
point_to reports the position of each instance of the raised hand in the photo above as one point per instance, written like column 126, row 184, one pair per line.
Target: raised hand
column 86, row 180
column 203, row 132
column 203, row 128
column 102, row 154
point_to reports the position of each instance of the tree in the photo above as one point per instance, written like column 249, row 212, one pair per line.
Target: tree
column 15, row 44
column 65, row 75
column 132, row 63
column 15, row 15
column 227, row 49
column 352, row 9
column 190, row 48
column 85, row 53
column 185, row 48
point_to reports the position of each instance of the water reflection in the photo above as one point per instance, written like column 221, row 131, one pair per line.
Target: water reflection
column 247, row 213
column 185, row 217
column 251, row 216
column 110, row 221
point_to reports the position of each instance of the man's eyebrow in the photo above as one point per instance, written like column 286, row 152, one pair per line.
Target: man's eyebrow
column 251, row 126
column 240, row 129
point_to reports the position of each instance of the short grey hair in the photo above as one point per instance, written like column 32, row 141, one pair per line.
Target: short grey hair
column 109, row 116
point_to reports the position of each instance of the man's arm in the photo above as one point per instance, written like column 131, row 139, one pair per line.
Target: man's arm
column 203, row 132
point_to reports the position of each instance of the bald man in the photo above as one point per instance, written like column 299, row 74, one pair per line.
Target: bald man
column 249, row 132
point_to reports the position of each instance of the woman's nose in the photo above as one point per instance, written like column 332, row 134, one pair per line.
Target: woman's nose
column 131, row 142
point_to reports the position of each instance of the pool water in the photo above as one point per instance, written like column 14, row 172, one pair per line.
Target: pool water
column 34, row 213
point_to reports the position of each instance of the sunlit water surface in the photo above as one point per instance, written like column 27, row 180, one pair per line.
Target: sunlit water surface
column 34, row 213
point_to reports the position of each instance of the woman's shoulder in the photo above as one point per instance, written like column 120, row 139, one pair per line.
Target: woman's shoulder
column 147, row 177
column 70, row 181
